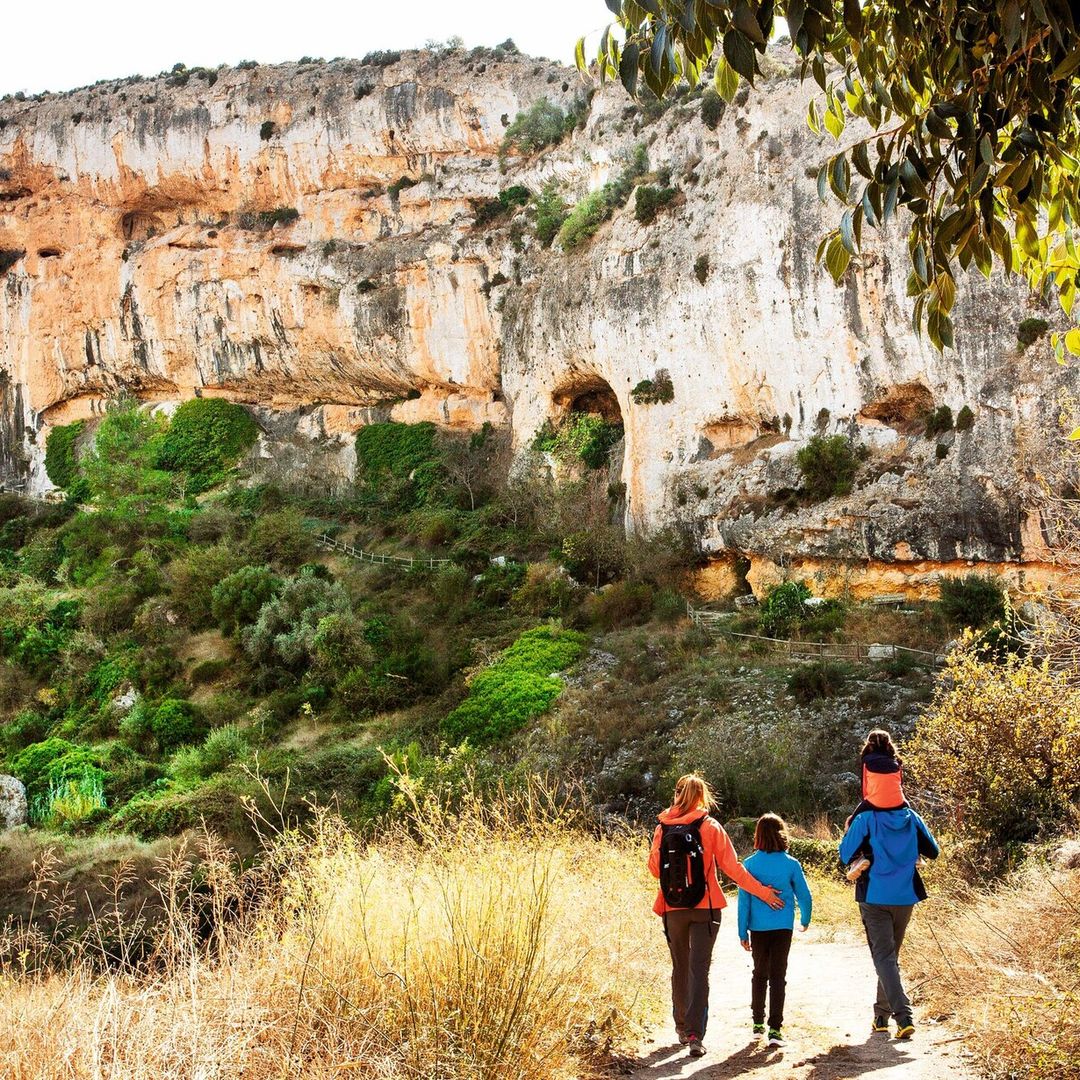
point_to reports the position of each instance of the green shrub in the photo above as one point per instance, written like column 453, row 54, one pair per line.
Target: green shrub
column 1030, row 330
column 712, row 108
column 551, row 212
column 62, row 459
column 701, row 269
column 542, row 124
column 209, row 671
column 402, row 183
column 206, row 437
column 828, row 465
column 400, row 463
column 658, row 390
column 267, row 130
column 221, row 748
column 965, row 419
column 547, row 591
column 41, row 556
column 585, row 218
column 280, row 539
column 175, row 723
column 493, row 209
column 520, row 685
column 280, row 215
column 585, row 437
column 939, row 421
column 650, row 200
column 121, row 469
column 193, row 576
column 71, row 801
column 821, row 679
column 625, row 603
column 31, row 765
column 236, row 600
column 28, row 726
column 972, row 601
column 783, row 608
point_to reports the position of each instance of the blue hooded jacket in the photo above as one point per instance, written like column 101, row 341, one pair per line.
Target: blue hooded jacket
column 897, row 839
column 785, row 874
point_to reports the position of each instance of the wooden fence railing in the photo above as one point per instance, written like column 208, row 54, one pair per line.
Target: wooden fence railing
column 712, row 621
column 405, row 563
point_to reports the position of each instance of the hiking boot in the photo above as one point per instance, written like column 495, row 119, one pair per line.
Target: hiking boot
column 759, row 1029
column 696, row 1049
column 775, row 1037
column 880, row 1024
column 684, row 1038
column 857, row 868
column 905, row 1031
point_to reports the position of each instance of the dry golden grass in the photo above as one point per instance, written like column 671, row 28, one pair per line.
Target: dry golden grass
column 1005, row 963
column 497, row 942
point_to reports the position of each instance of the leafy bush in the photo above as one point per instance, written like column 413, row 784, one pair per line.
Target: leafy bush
column 121, row 469
column 712, row 108
column 280, row 539
column 517, row 687
column 965, row 419
column 973, row 601
column 624, row 603
column 1000, row 745
column 492, row 209
column 551, row 212
column 175, row 723
column 547, row 591
column 1030, row 330
column 206, row 437
column 221, row 748
column 194, row 575
column 658, row 390
column 589, row 214
column 399, row 462
column 267, row 130
column 542, row 124
column 287, row 625
column 585, row 437
column 32, row 765
column 821, row 679
column 783, row 608
column 701, row 269
column 236, row 600
column 650, row 200
column 62, row 459
column 939, row 421
column 70, row 801
column 828, row 465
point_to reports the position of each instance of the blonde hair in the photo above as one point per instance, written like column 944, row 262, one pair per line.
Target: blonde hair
column 692, row 792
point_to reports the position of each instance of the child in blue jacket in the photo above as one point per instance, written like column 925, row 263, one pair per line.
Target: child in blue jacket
column 766, row 933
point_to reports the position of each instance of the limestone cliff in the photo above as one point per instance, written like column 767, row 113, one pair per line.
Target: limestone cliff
column 303, row 238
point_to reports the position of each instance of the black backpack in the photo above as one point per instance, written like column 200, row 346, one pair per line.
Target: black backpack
column 683, row 880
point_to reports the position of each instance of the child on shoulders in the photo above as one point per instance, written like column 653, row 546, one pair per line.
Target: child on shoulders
column 767, row 933
column 882, row 789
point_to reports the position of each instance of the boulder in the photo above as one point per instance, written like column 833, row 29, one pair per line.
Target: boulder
column 12, row 803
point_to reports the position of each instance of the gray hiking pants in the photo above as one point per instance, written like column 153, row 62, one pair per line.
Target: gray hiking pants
column 885, row 926
column 691, row 936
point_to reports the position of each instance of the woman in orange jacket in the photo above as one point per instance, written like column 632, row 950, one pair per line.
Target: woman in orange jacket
column 688, row 849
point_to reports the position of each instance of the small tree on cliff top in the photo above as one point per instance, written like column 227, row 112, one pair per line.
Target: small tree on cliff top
column 973, row 111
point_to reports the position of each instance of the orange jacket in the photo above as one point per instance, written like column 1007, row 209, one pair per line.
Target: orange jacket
column 719, row 852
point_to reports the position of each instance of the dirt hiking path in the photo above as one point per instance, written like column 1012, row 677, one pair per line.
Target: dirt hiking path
column 830, row 994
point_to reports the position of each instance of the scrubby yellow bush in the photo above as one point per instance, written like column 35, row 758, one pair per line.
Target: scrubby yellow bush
column 496, row 943
column 999, row 746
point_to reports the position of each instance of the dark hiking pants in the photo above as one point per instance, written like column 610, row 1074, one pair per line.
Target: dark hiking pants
column 770, row 950
column 885, row 926
column 691, row 936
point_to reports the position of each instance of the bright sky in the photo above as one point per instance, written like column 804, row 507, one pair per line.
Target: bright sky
column 70, row 43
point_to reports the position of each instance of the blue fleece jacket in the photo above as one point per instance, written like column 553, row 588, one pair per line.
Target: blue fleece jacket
column 785, row 874
column 897, row 839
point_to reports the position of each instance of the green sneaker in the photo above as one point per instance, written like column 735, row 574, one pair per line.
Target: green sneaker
column 775, row 1038
column 759, row 1029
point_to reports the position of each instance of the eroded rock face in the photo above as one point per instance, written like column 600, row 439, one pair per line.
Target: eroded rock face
column 161, row 254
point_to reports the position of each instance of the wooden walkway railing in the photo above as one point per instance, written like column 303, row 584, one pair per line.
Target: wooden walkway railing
column 331, row 544
column 712, row 621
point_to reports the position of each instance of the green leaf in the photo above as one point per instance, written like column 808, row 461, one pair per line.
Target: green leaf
column 853, row 19
column 579, row 55
column 837, row 259
column 1075, row 436
column 1072, row 341
column 656, row 53
column 727, row 80
column 744, row 20
column 892, row 193
column 1067, row 66
column 740, row 54
column 840, row 177
column 847, row 232
column 628, row 68
column 861, row 160
column 834, row 124
column 823, row 182
column 812, row 121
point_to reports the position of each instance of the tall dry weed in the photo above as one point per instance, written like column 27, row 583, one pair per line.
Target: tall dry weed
column 1005, row 963
column 499, row 940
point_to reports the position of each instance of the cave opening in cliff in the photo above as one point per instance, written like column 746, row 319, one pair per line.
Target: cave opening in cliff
column 586, row 425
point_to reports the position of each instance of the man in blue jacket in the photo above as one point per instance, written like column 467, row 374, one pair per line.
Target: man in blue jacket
column 887, row 893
